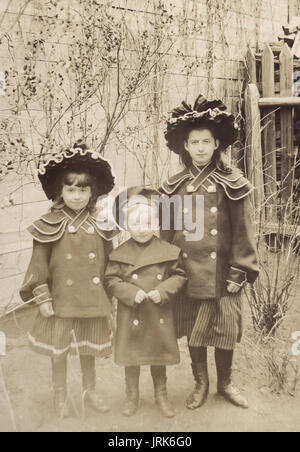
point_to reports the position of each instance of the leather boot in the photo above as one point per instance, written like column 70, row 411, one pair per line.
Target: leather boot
column 59, row 378
column 199, row 395
column 224, row 371
column 160, row 391
column 90, row 395
column 132, row 377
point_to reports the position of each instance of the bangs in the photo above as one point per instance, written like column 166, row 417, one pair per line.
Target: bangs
column 78, row 179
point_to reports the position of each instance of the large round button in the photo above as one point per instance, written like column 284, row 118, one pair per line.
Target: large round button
column 136, row 322
column 71, row 229
column 190, row 188
column 96, row 280
column 69, row 282
column 159, row 277
column 214, row 232
column 91, row 230
column 211, row 189
column 214, row 210
column 69, row 257
column 134, row 276
column 92, row 256
column 213, row 255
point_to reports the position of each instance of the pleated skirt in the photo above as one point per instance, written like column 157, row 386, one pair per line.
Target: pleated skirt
column 216, row 323
column 56, row 337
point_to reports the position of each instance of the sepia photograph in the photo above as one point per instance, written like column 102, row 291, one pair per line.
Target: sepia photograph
column 149, row 218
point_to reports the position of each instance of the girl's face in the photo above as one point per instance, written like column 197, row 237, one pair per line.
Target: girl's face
column 75, row 193
column 201, row 145
column 142, row 224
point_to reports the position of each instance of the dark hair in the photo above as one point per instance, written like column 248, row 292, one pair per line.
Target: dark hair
column 79, row 178
column 185, row 157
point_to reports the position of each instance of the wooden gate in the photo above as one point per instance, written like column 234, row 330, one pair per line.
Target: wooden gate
column 272, row 146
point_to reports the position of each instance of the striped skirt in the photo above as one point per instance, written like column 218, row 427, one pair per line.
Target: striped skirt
column 56, row 337
column 216, row 323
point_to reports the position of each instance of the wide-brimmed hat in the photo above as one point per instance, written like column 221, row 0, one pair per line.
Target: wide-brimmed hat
column 203, row 113
column 132, row 198
column 78, row 158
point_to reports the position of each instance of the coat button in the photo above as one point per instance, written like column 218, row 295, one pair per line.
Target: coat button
column 161, row 321
column 190, row 188
column 211, row 189
column 71, row 229
column 69, row 257
column 92, row 256
column 159, row 277
column 91, row 230
column 134, row 276
column 213, row 255
column 185, row 255
column 214, row 232
column 96, row 280
column 136, row 322
column 214, row 210
column 69, row 282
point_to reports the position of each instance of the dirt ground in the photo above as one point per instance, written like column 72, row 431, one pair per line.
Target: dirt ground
column 28, row 381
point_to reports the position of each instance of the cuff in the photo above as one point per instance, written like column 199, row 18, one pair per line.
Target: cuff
column 237, row 276
column 42, row 294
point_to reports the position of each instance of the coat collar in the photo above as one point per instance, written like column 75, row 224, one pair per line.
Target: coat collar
column 158, row 251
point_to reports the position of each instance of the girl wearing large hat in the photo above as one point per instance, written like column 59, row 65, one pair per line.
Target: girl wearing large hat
column 225, row 258
column 66, row 271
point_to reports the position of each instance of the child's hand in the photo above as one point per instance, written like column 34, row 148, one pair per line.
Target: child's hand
column 154, row 295
column 233, row 288
column 140, row 297
column 46, row 309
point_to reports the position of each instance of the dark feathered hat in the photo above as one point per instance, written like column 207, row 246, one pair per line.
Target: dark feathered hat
column 203, row 113
column 78, row 158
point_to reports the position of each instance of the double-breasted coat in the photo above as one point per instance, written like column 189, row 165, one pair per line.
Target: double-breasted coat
column 68, row 262
column 227, row 249
column 145, row 333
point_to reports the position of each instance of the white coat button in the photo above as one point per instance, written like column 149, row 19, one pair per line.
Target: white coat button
column 190, row 188
column 134, row 276
column 214, row 232
column 211, row 189
column 69, row 282
column 91, row 230
column 159, row 277
column 71, row 229
column 96, row 280
column 213, row 255
column 161, row 321
column 92, row 256
column 214, row 210
column 136, row 322
column 68, row 257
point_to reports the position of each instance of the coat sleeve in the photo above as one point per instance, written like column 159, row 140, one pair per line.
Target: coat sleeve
column 117, row 287
column 243, row 259
column 171, row 287
column 35, row 285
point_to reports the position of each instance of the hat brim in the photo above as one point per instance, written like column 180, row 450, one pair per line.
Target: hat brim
column 76, row 159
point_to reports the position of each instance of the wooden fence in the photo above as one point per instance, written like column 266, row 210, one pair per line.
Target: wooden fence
column 272, row 147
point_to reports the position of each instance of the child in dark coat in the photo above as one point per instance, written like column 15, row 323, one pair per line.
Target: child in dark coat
column 66, row 272
column 145, row 274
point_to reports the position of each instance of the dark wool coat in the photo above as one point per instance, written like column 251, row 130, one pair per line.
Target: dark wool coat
column 227, row 250
column 145, row 333
column 68, row 264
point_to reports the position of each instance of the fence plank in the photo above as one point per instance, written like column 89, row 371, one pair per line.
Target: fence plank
column 251, row 65
column 286, row 119
column 253, row 150
column 269, row 132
